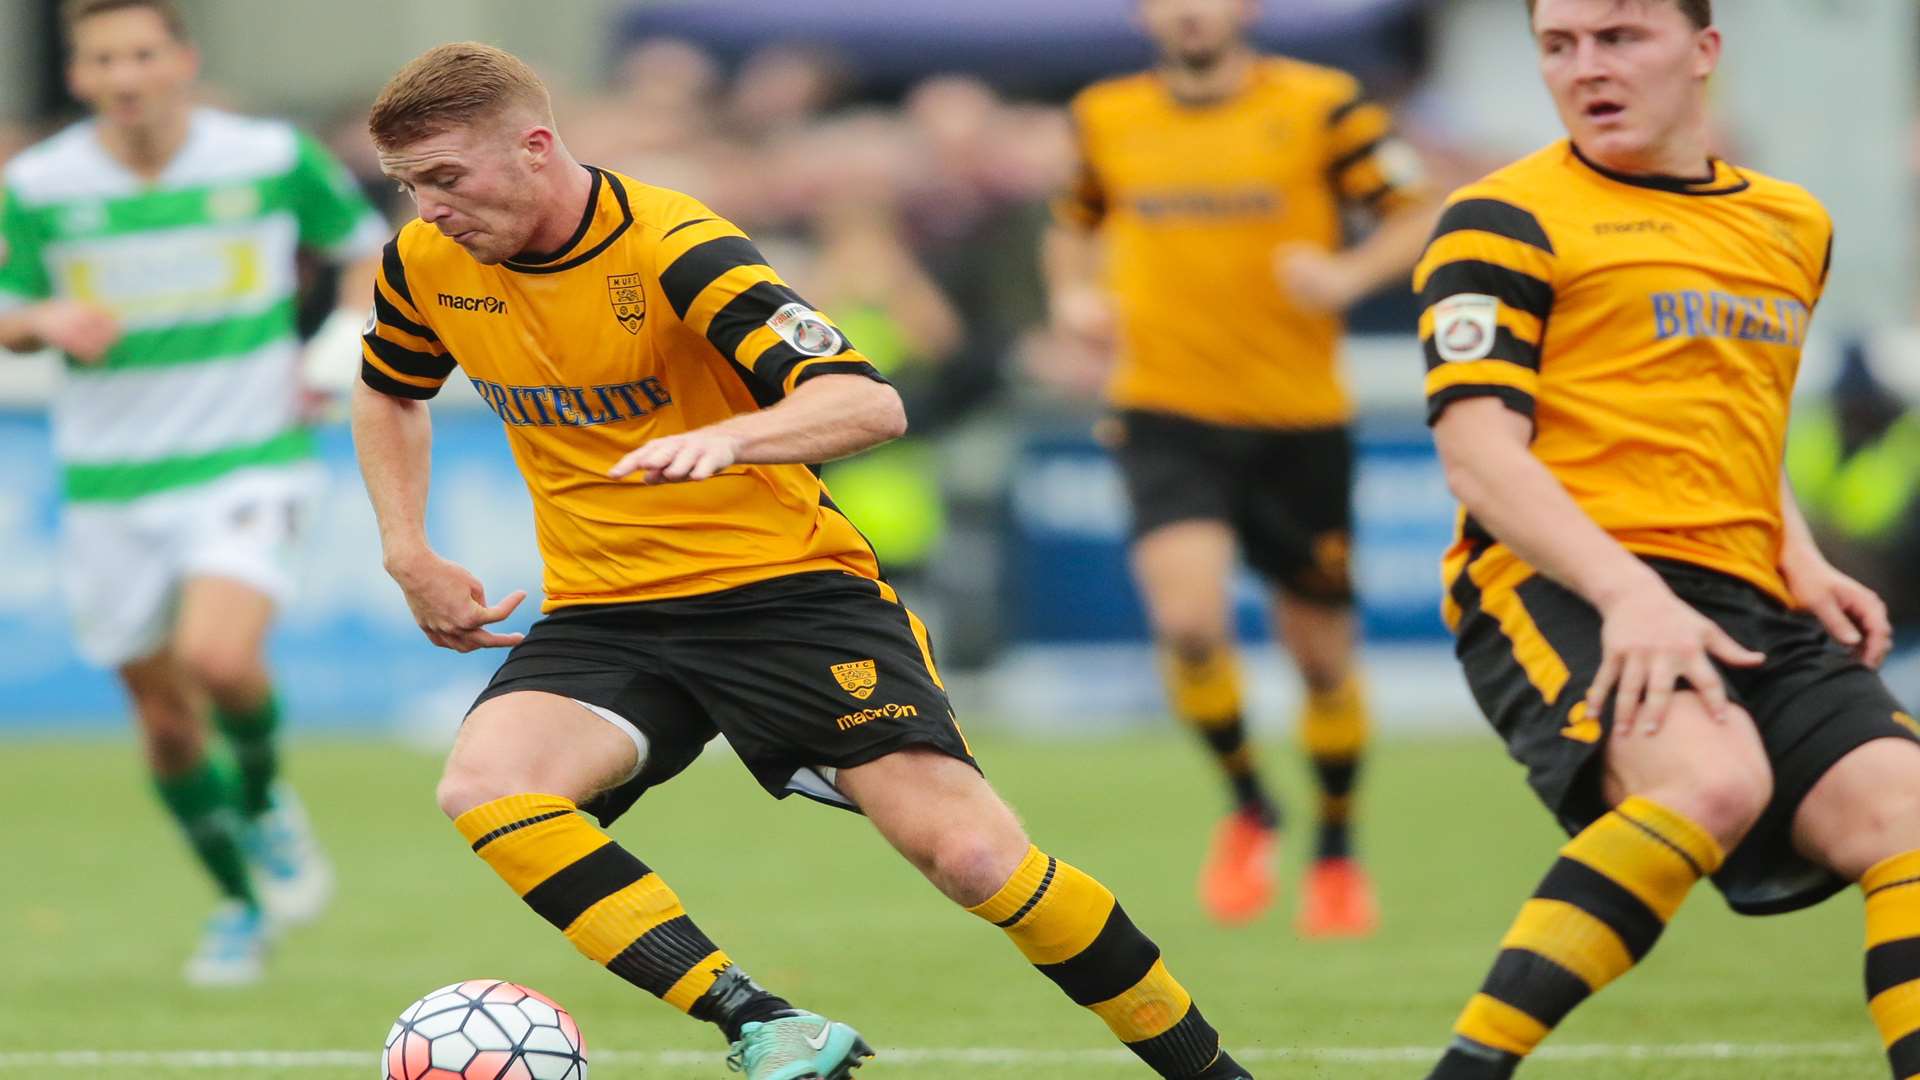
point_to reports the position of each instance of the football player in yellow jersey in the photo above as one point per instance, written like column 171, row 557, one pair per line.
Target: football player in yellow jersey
column 1613, row 327
column 1201, row 247
column 666, row 395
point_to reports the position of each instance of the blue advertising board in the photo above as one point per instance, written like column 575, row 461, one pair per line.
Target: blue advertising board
column 347, row 653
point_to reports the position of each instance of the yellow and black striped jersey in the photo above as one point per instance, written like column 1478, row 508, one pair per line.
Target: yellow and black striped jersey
column 1651, row 327
column 1195, row 201
column 658, row 317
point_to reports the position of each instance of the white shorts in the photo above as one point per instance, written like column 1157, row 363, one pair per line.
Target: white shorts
column 123, row 563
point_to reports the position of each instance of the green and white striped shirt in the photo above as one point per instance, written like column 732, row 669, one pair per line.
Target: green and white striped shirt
column 198, row 266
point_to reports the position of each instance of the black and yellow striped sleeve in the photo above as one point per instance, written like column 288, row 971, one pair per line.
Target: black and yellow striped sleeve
column 400, row 355
column 1486, row 289
column 721, row 287
column 1368, row 164
column 1084, row 203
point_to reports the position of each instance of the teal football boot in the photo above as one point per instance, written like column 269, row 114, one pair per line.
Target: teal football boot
column 798, row 1047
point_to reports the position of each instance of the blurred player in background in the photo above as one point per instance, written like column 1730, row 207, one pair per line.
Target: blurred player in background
column 1201, row 245
column 155, row 246
column 665, row 392
column 1613, row 327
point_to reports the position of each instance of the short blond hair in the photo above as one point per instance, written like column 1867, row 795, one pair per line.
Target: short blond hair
column 452, row 85
column 1698, row 12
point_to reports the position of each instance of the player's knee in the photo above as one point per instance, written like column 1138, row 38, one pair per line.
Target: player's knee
column 1725, row 798
column 221, row 668
column 171, row 732
column 1193, row 646
column 971, row 865
column 463, row 788
column 1880, row 824
column 1323, row 674
column 174, row 749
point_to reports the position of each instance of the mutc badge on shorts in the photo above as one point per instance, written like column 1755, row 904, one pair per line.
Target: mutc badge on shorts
column 629, row 300
column 858, row 678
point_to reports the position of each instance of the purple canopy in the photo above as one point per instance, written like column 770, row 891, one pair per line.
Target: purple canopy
column 1034, row 44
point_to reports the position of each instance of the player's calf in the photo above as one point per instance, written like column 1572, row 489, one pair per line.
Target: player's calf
column 1863, row 821
column 1685, row 797
column 1596, row 914
column 613, row 908
column 511, row 785
column 945, row 818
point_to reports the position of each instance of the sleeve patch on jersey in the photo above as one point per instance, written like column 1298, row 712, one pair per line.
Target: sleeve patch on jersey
column 1464, row 326
column 806, row 330
column 1400, row 163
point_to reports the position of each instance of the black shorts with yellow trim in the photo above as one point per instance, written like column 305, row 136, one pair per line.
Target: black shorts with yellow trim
column 804, row 675
column 1286, row 493
column 1530, row 649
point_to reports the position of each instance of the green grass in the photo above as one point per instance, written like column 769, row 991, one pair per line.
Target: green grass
column 100, row 905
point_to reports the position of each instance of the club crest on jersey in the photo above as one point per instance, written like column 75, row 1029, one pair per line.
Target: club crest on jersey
column 806, row 330
column 629, row 300
column 1464, row 326
column 857, row 678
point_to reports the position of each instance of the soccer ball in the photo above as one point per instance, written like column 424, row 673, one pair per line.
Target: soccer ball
column 485, row 1029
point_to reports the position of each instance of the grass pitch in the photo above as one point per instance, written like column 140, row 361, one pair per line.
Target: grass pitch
column 99, row 906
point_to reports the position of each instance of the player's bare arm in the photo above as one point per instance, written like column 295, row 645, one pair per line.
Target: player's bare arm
column 393, row 438
column 824, row 419
column 1335, row 281
column 1851, row 612
column 80, row 330
column 1651, row 639
column 1078, row 307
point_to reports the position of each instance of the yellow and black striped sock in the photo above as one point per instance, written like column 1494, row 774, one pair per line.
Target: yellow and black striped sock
column 1334, row 728
column 1205, row 689
column 1071, row 928
column 1893, row 958
column 1597, row 913
column 614, row 909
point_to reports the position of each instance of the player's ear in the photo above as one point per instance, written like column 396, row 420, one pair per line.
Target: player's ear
column 1706, row 55
column 537, row 144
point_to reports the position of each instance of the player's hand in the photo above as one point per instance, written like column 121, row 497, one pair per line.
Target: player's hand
column 330, row 366
column 1318, row 280
column 1084, row 314
column 1851, row 612
column 451, row 605
column 1650, row 640
column 694, row 455
column 80, row 330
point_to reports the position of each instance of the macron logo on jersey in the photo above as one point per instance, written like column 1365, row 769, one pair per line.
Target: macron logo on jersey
column 491, row 305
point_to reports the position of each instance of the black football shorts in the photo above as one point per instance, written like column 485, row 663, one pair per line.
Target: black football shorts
column 805, row 675
column 1812, row 702
column 1287, row 494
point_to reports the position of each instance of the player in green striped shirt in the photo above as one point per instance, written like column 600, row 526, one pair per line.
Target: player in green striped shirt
column 154, row 246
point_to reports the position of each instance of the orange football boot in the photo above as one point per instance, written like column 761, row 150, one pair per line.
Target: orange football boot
column 1338, row 901
column 1238, row 882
